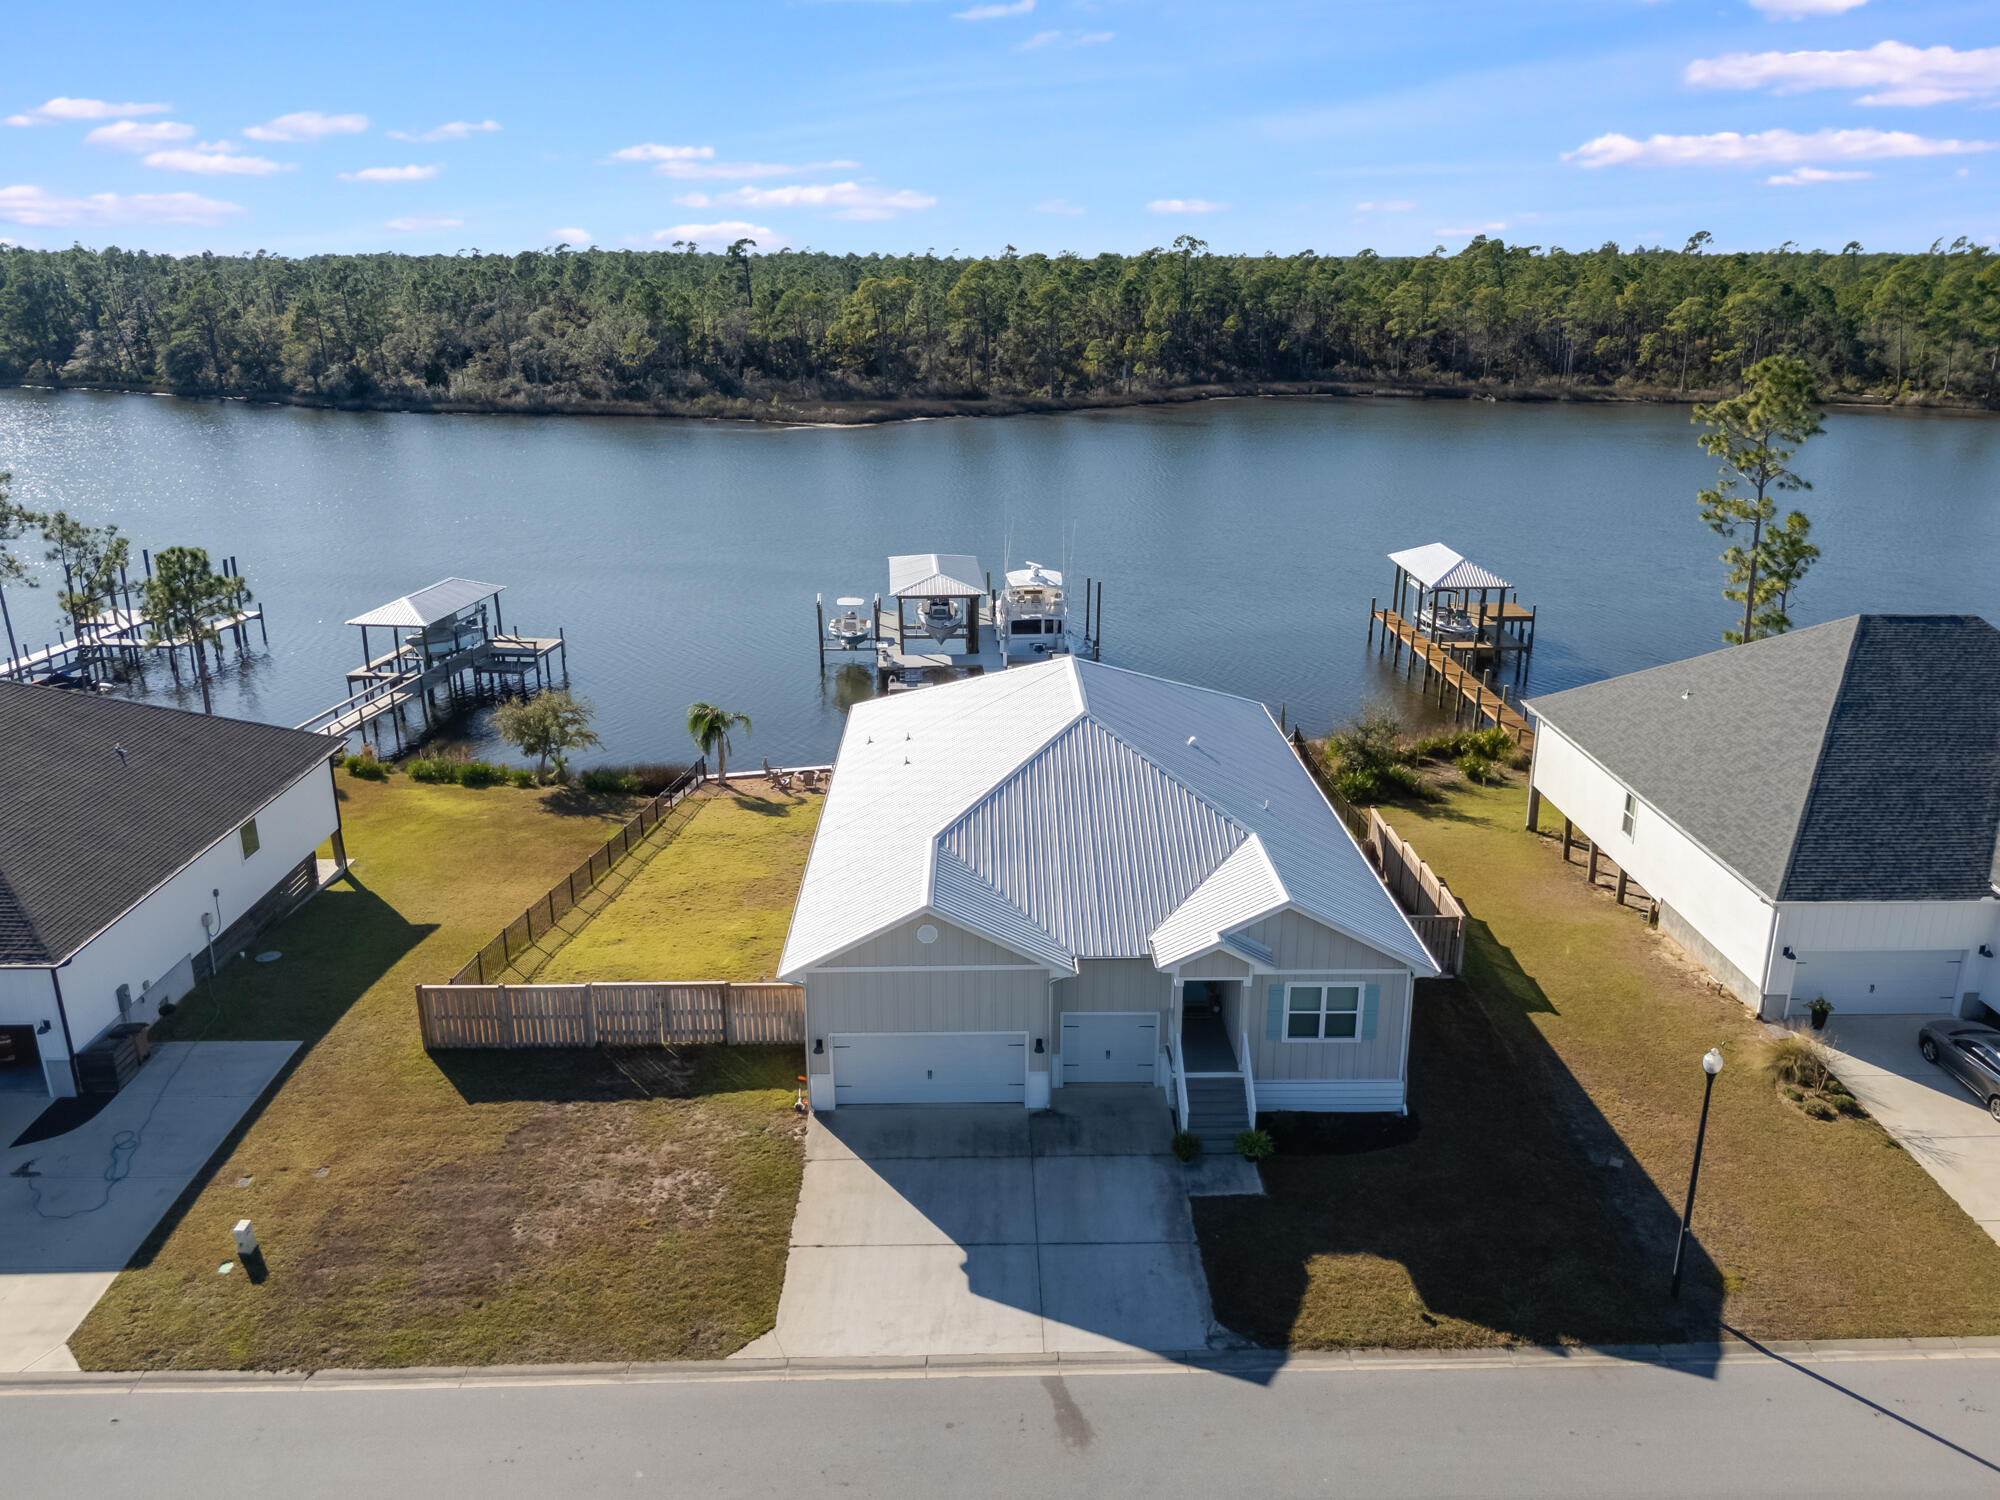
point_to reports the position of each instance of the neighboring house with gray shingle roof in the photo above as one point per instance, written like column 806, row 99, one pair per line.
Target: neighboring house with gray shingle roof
column 123, row 824
column 1818, row 813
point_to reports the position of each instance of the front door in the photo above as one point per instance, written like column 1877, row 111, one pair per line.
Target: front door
column 1109, row 1046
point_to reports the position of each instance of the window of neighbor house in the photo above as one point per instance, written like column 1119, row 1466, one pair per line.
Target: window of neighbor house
column 1322, row 1012
column 1631, row 814
column 248, row 833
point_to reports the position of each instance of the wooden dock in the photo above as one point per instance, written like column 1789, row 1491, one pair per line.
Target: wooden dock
column 1448, row 677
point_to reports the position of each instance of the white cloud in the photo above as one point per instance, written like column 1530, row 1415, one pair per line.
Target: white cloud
column 725, row 232
column 568, row 237
column 995, row 12
column 130, row 135
column 1798, row 10
column 31, row 205
column 1894, row 72
column 693, row 200
column 418, row 223
column 307, row 125
column 1802, row 176
column 1058, row 206
column 391, row 174
column 1043, row 39
column 1184, row 206
column 740, row 170
column 216, row 159
column 1389, row 206
column 1727, row 148
column 60, row 108
column 649, row 151
column 455, row 130
column 1467, row 231
column 849, row 200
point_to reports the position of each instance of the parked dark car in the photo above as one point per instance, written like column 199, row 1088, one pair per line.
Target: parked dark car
column 1970, row 1052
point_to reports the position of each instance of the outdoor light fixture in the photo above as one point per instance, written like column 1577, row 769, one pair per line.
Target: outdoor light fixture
column 1984, row 951
column 1789, row 954
column 819, row 1046
column 45, row 1028
column 1038, row 1046
column 1711, row 1064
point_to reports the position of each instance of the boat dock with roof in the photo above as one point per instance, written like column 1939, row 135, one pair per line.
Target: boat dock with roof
column 447, row 647
column 1461, row 643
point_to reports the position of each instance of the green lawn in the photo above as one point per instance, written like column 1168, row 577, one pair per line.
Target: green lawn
column 1573, row 1042
column 475, row 1207
column 711, row 903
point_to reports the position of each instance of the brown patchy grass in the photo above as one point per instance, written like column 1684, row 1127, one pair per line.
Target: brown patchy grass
column 1574, row 1040
column 477, row 1207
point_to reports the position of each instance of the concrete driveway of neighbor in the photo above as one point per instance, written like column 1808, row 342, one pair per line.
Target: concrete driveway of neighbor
column 1930, row 1112
column 989, row 1230
column 67, row 1227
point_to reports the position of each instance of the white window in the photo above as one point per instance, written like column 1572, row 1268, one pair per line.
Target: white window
column 1631, row 813
column 1322, row 1012
column 249, row 836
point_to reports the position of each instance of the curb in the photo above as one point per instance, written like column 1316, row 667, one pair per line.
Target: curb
column 1238, row 1363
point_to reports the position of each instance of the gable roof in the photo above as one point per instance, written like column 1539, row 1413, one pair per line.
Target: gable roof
column 427, row 606
column 86, row 834
column 934, row 575
column 1853, row 761
column 1439, row 567
column 1071, row 810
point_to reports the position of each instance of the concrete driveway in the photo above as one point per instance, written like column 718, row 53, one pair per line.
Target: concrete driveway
column 75, row 1208
column 1938, row 1122
column 989, row 1230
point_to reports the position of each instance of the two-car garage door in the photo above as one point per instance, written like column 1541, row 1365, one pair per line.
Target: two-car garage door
column 934, row 1067
column 1861, row 983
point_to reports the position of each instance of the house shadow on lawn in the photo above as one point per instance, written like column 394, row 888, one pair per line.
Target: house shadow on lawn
column 1505, row 1210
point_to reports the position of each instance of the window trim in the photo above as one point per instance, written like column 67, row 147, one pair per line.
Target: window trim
column 1323, row 986
column 1629, row 820
column 249, row 840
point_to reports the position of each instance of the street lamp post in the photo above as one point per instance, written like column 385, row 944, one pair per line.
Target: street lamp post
column 1711, row 1064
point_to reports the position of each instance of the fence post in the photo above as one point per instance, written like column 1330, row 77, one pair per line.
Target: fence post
column 503, row 1011
column 590, row 1014
column 728, row 1013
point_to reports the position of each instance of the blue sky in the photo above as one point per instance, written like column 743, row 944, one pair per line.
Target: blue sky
column 972, row 124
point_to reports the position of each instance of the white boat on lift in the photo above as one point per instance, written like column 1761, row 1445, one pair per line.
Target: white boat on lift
column 1034, row 615
column 851, row 629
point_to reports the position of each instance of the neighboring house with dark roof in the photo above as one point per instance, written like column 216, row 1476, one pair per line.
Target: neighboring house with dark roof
column 1067, row 875
column 1816, row 813
column 123, row 826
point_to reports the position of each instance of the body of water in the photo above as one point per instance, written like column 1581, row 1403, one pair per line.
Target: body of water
column 1239, row 542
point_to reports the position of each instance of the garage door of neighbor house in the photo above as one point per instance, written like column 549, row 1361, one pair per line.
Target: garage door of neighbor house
column 931, row 1067
column 1109, row 1046
column 1861, row 983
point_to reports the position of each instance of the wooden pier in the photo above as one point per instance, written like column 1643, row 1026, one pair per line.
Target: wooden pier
column 1447, row 677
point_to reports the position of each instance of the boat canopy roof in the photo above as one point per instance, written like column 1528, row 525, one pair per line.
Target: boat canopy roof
column 1439, row 567
column 935, row 575
column 427, row 606
column 1034, row 576
column 850, row 601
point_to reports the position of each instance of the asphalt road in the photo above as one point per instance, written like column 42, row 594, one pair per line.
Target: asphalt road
column 1828, row 1427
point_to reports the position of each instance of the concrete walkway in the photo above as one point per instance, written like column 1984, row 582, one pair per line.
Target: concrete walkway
column 74, row 1209
column 1929, row 1111
column 982, row 1230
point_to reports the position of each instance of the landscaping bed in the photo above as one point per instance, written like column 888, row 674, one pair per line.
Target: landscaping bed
column 1555, row 1090
column 467, row 1207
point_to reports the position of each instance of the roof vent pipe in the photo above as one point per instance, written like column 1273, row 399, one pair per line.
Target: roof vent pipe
column 1190, row 739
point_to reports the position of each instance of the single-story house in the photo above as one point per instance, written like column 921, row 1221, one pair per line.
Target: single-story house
column 1067, row 875
column 1816, row 813
column 133, row 838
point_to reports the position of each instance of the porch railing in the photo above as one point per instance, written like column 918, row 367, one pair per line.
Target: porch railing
column 1249, row 1083
column 1180, row 1088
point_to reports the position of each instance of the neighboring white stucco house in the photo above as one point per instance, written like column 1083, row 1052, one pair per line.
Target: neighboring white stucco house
column 122, row 825
column 1816, row 813
column 1067, row 875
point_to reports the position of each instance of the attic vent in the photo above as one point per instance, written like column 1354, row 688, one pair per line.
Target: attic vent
column 927, row 933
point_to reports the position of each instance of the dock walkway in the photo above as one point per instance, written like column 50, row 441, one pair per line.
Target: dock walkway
column 1452, row 679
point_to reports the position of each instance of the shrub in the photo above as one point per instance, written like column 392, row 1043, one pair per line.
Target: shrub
column 1494, row 743
column 478, row 773
column 609, row 781
column 1819, row 1109
column 521, row 776
column 431, row 769
column 1186, row 1145
column 1798, row 1061
column 365, row 767
column 1477, row 768
column 1254, row 1145
column 1848, row 1105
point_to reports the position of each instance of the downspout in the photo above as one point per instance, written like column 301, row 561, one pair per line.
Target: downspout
column 1409, row 1025
column 339, row 828
column 1770, row 962
column 69, row 1042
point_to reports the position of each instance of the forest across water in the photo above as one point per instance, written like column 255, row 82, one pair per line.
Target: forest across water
column 801, row 335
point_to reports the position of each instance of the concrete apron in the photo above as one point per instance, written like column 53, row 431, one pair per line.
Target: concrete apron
column 985, row 1230
column 85, row 1201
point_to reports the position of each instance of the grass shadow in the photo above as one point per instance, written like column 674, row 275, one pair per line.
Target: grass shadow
column 574, row 802
column 577, row 1075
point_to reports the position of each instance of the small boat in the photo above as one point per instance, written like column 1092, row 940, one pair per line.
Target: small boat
column 1034, row 616
column 853, row 629
column 942, row 619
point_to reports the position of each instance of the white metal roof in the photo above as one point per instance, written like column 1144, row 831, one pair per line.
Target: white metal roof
column 1439, row 567
column 427, row 606
column 1034, row 576
column 935, row 575
column 1072, row 810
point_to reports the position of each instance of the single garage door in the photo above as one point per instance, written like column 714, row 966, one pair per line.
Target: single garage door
column 1109, row 1046
column 932, row 1067
column 1861, row 984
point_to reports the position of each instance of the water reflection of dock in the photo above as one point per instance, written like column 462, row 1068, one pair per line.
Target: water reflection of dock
column 448, row 649
column 1460, row 644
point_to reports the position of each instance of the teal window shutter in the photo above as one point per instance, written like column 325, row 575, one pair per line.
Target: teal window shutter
column 1371, row 996
column 1274, row 1014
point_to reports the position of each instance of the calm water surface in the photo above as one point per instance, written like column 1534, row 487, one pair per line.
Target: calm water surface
column 1240, row 542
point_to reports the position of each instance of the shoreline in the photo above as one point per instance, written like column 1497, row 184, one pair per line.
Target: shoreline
column 775, row 412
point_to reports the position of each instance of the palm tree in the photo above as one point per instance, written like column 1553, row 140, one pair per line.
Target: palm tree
column 709, row 726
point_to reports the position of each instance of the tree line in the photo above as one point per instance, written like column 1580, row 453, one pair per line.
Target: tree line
column 730, row 330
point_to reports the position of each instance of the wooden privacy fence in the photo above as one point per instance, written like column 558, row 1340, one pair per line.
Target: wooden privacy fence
column 1433, row 910
column 539, row 919
column 609, row 1015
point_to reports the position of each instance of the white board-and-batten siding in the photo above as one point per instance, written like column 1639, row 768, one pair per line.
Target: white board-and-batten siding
column 1115, row 984
column 899, row 947
column 1298, row 944
column 1379, row 1056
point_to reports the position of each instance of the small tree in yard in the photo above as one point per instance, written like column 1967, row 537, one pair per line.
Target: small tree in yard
column 90, row 558
column 15, row 523
column 183, row 597
column 709, row 727
column 547, row 726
